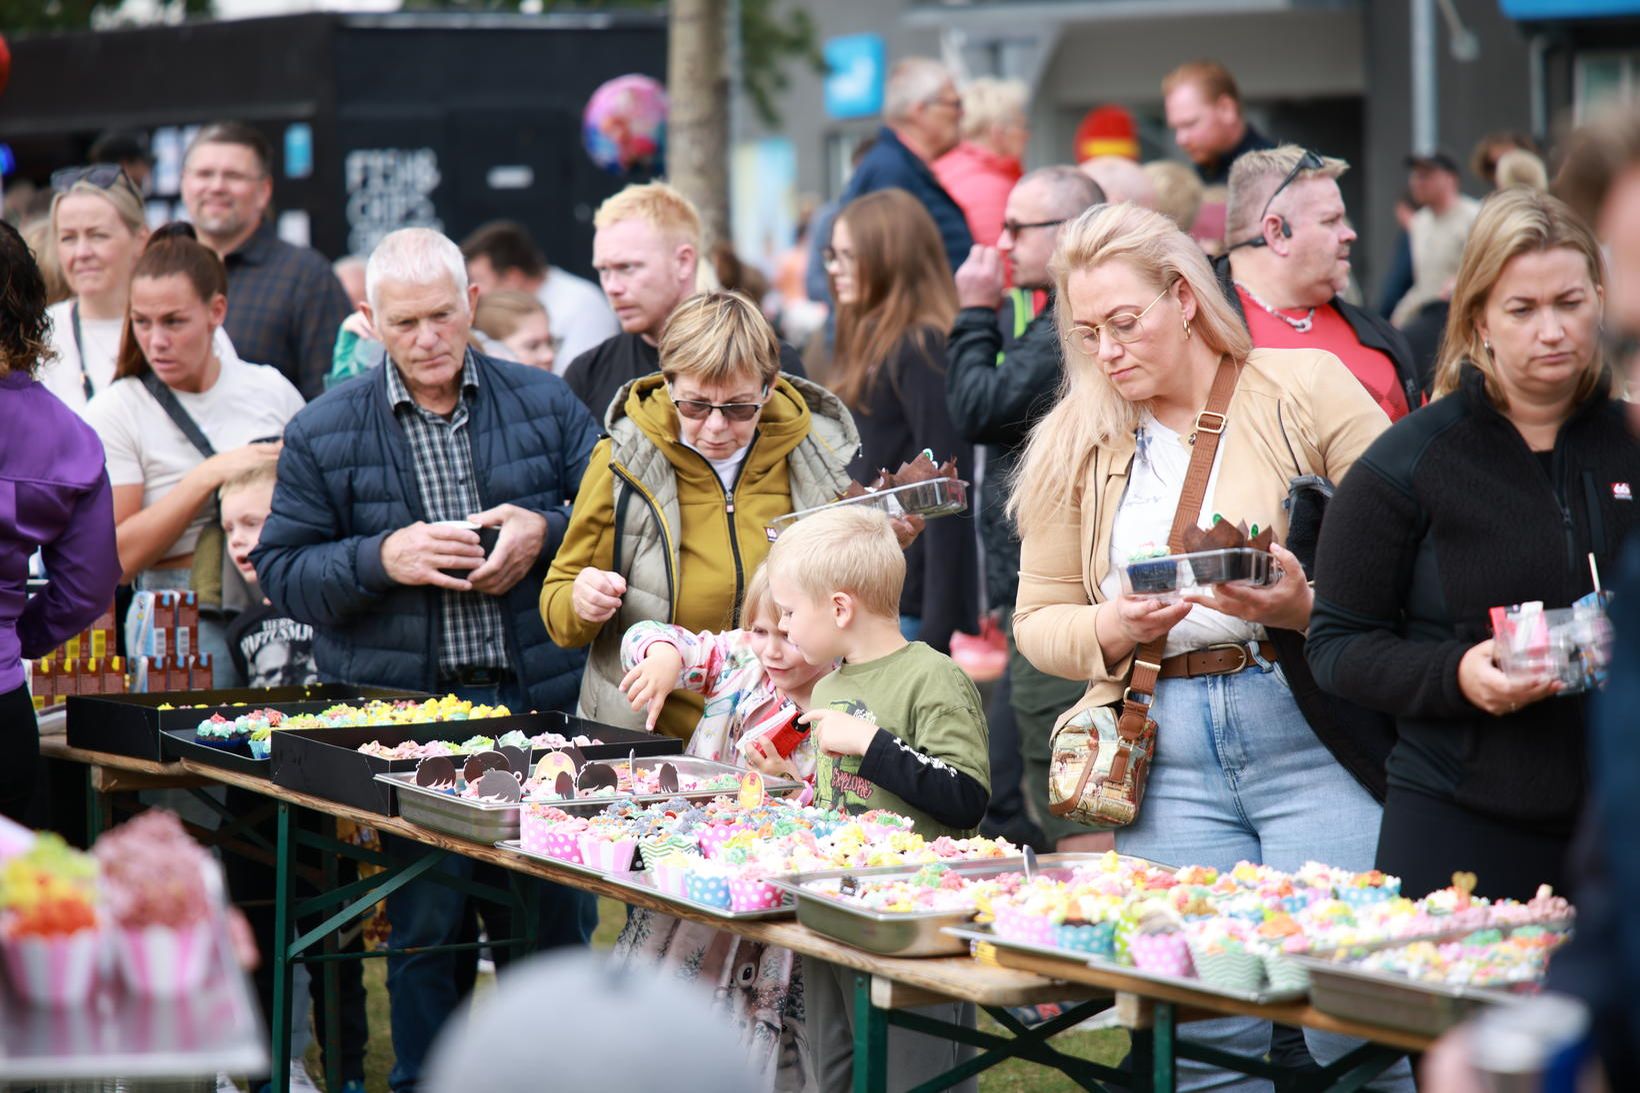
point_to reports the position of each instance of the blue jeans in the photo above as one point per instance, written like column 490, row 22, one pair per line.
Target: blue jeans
column 425, row 988
column 1239, row 775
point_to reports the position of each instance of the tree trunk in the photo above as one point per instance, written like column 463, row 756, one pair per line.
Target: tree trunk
column 697, row 139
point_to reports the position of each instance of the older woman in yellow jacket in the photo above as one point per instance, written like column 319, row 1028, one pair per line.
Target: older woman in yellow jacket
column 1238, row 774
column 670, row 520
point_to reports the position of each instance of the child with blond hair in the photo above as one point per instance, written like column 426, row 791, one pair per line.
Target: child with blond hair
column 898, row 726
column 756, row 685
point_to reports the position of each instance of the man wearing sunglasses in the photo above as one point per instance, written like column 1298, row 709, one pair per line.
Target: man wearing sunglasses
column 1288, row 259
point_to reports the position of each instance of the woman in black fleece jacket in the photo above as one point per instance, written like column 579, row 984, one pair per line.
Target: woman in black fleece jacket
column 1496, row 493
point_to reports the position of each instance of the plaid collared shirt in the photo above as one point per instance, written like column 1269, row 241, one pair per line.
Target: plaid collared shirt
column 286, row 306
column 471, row 632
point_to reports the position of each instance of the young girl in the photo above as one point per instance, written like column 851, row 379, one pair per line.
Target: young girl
column 756, row 684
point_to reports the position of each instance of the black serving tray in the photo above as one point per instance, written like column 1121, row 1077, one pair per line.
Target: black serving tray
column 327, row 763
column 134, row 725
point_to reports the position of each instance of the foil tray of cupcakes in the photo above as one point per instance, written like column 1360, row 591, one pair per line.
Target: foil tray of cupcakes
column 721, row 857
column 1244, row 933
column 118, row 962
column 483, row 797
column 920, row 487
column 1222, row 554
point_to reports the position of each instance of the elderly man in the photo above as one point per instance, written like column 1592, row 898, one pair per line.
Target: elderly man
column 1002, row 379
column 287, row 304
column 501, row 254
column 647, row 251
column 1203, row 106
column 922, row 119
column 359, row 545
column 1288, row 259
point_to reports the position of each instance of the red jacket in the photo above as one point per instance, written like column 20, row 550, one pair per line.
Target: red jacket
column 979, row 180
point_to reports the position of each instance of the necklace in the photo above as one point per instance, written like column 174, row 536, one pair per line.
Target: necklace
column 1301, row 325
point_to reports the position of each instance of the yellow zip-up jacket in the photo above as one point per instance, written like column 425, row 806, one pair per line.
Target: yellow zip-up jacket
column 654, row 511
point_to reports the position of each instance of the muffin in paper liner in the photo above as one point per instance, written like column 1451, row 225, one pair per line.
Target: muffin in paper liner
column 54, row 969
column 707, row 888
column 564, row 845
column 671, row 873
column 1027, row 927
column 1162, row 954
column 1094, row 938
column 164, row 961
column 712, row 838
column 261, row 748
column 609, row 855
column 1235, row 968
column 746, row 894
column 1285, row 973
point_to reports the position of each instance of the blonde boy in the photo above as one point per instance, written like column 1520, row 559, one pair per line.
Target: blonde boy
column 898, row 725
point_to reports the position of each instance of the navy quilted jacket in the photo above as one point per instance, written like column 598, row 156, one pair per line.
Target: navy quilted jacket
column 347, row 481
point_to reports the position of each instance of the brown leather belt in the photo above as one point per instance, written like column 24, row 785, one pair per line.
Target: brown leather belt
column 1215, row 660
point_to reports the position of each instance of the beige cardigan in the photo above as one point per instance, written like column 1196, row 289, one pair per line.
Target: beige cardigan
column 1294, row 412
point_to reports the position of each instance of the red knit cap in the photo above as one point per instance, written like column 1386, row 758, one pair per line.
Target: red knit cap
column 1107, row 131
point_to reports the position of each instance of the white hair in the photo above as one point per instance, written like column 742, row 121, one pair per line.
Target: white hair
column 414, row 256
column 1121, row 179
column 912, row 82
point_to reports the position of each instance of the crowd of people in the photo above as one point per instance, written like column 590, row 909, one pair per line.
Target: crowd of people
column 308, row 449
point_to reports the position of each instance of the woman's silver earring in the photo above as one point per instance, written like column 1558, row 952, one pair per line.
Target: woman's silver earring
column 1486, row 345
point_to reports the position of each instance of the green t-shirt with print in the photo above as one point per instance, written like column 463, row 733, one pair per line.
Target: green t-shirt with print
column 921, row 697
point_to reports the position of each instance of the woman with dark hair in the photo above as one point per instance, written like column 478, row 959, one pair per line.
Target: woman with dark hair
column 895, row 303
column 54, row 497
column 183, row 415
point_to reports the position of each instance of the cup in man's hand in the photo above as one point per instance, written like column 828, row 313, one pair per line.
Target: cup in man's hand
column 487, row 537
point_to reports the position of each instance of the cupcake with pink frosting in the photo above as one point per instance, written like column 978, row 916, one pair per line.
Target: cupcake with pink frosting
column 157, row 882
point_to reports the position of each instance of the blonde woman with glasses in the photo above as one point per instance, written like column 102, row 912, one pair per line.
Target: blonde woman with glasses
column 670, row 521
column 1238, row 774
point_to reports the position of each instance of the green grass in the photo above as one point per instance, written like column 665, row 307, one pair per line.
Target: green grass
column 1102, row 1046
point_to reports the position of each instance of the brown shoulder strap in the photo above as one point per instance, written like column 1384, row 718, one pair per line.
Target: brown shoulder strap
column 1147, row 659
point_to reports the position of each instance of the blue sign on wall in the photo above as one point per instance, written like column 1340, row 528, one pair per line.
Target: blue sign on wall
column 1567, row 9
column 856, row 71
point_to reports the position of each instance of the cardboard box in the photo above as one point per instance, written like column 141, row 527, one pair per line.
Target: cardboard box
column 114, row 682
column 200, row 672
column 187, row 627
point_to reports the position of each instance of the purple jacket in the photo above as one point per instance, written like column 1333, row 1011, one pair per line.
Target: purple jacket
column 54, row 495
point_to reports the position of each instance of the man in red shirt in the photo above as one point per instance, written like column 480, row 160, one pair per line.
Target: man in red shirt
column 1288, row 257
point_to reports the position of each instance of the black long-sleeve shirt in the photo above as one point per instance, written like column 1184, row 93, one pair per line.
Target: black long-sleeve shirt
column 904, row 413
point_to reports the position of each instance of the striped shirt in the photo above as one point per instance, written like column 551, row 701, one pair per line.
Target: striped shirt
column 470, row 627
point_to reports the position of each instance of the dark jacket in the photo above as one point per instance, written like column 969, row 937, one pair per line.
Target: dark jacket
column 903, row 413
column 891, row 165
column 1370, row 330
column 996, row 392
column 347, row 480
column 1447, row 515
column 1218, row 174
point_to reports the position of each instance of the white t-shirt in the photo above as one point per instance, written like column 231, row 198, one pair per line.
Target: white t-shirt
column 578, row 314
column 144, row 446
column 1160, row 461
column 64, row 377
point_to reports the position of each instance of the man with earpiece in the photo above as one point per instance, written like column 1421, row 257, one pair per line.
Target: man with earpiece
column 1288, row 240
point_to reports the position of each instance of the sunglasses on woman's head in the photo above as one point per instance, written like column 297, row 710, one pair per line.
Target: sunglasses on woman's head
column 699, row 409
column 104, row 176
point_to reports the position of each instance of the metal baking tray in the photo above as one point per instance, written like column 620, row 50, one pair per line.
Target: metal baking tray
column 1080, row 960
column 574, row 867
column 903, row 933
column 642, row 882
column 492, row 822
column 935, row 497
column 1395, row 1001
column 1345, row 952
column 1174, row 573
